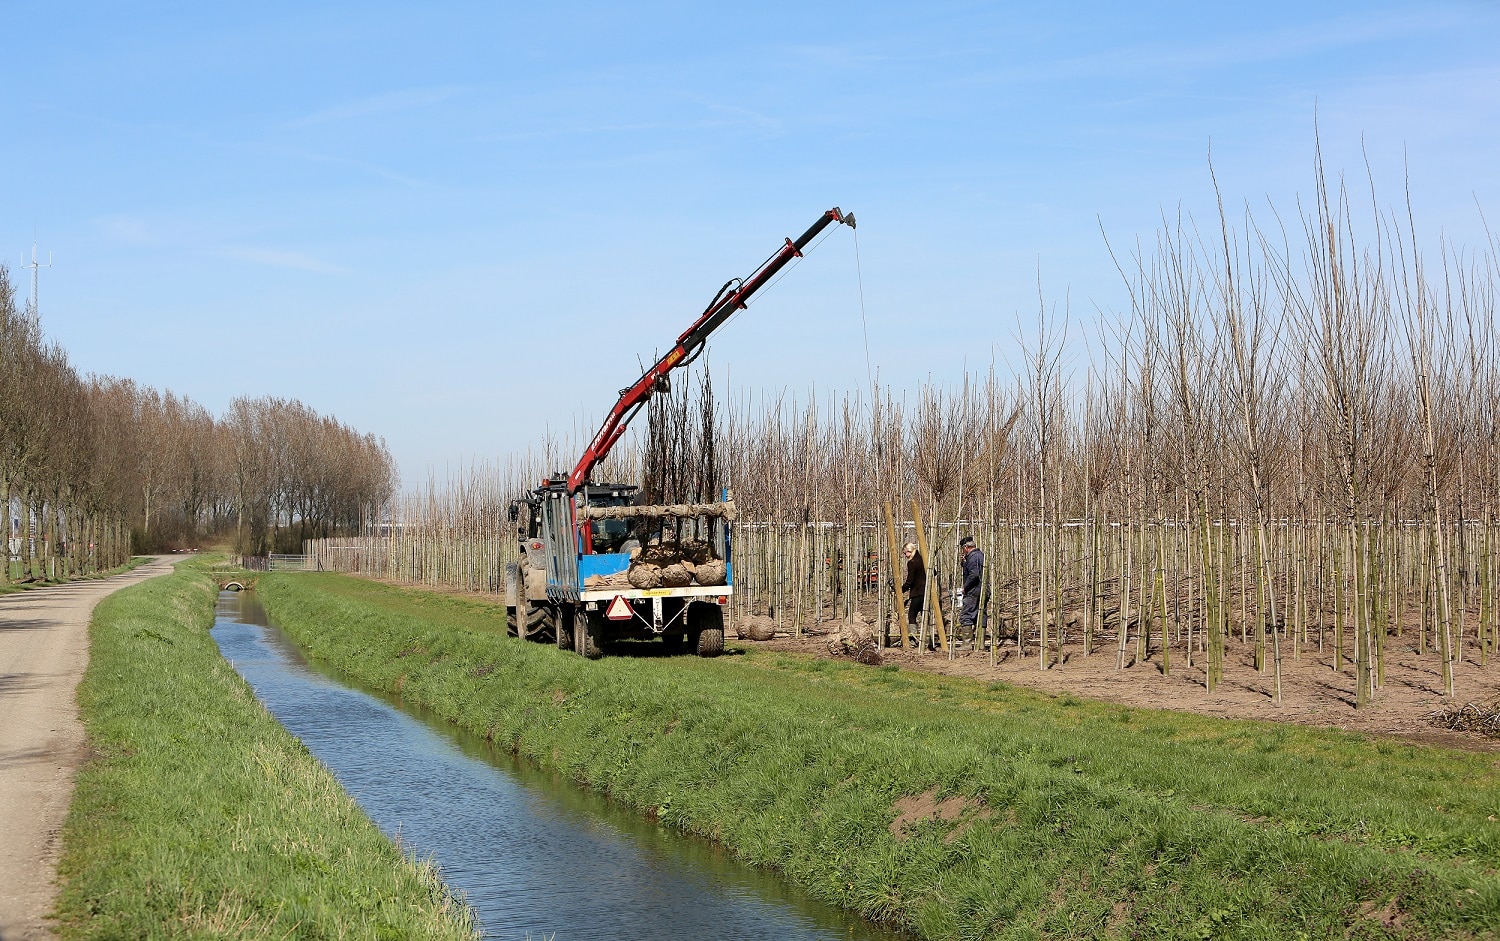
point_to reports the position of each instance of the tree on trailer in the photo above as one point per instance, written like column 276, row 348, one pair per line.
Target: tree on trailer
column 589, row 554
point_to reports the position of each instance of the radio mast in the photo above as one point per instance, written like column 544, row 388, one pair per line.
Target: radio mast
column 36, row 311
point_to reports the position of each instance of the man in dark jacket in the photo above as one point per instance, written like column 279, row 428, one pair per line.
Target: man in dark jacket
column 973, row 566
column 915, row 587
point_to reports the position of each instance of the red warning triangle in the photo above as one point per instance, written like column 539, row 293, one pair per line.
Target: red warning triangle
column 619, row 609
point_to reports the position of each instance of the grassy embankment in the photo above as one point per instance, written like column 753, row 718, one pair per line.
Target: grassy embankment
column 1073, row 818
column 13, row 586
column 199, row 816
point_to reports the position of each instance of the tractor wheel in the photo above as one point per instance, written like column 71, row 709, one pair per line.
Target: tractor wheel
column 710, row 642
column 541, row 620
column 539, row 616
column 586, row 641
column 705, row 629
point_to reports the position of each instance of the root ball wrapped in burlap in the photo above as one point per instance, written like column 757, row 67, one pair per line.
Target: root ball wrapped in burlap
column 644, row 576
column 675, row 576
column 854, row 635
column 755, row 627
column 697, row 551
column 661, row 554
column 713, row 572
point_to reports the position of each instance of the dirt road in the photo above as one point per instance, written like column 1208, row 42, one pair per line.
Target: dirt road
column 43, row 653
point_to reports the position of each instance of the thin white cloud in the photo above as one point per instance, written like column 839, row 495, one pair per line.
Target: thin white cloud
column 280, row 259
column 740, row 117
column 1186, row 56
column 376, row 105
column 367, row 167
column 1317, row 36
column 837, row 57
column 298, row 153
column 713, row 117
column 127, row 229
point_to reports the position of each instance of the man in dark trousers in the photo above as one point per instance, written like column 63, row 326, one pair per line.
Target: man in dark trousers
column 915, row 587
column 973, row 566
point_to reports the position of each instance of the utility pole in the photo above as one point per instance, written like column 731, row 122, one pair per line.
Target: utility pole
column 36, row 311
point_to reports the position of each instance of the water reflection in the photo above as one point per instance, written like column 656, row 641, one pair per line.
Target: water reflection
column 536, row 857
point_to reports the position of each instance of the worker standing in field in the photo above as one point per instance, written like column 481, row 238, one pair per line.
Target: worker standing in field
column 973, row 567
column 915, row 587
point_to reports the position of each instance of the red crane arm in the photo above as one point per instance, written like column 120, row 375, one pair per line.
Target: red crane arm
column 689, row 345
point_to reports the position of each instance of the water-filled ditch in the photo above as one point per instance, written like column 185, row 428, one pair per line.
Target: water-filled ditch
column 535, row 856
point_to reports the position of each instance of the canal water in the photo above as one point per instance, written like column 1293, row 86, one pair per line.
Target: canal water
column 536, row 857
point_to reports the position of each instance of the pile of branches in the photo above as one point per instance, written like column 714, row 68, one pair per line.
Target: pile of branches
column 1470, row 717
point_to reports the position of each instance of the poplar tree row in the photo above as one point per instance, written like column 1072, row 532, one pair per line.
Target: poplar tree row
column 93, row 468
column 1287, row 437
column 1291, row 436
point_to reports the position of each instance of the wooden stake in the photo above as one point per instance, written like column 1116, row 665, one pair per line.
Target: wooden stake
column 894, row 546
column 933, row 595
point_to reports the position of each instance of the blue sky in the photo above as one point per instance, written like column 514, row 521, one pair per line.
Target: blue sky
column 460, row 225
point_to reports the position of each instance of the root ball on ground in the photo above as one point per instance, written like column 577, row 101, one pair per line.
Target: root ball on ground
column 755, row 627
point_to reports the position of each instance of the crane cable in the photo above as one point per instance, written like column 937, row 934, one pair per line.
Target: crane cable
column 859, row 275
column 864, row 321
column 780, row 274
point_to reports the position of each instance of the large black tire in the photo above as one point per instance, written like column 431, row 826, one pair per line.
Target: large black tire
column 586, row 636
column 705, row 629
column 710, row 642
column 539, row 620
column 704, row 616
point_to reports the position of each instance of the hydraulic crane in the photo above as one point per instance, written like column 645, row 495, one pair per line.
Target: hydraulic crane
column 573, row 533
column 732, row 297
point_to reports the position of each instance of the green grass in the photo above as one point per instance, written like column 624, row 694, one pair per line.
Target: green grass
column 1082, row 819
column 200, row 817
column 134, row 562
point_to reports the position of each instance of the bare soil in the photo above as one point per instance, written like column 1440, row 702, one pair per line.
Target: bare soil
column 920, row 808
column 44, row 649
column 1313, row 693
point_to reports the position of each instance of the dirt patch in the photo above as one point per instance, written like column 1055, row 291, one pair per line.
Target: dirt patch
column 1388, row 915
column 1313, row 692
column 920, row 808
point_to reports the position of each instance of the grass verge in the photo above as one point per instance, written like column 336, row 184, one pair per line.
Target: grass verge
column 199, row 816
column 953, row 809
column 14, row 586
